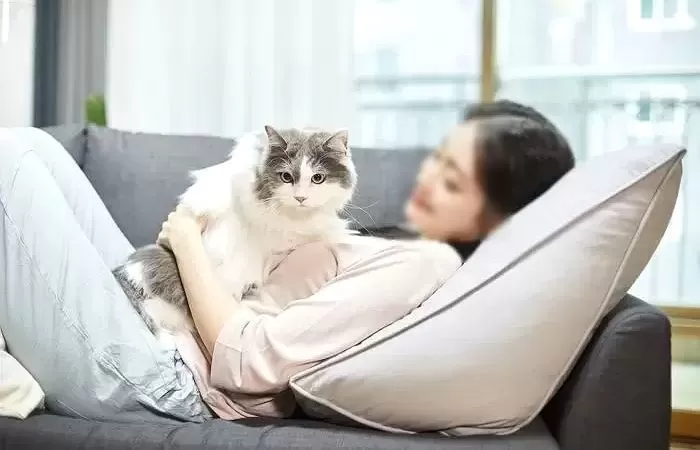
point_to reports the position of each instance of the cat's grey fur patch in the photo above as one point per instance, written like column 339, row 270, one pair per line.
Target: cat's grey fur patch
column 325, row 151
column 161, row 275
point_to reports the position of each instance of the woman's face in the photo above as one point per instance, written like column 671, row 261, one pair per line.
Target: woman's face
column 448, row 203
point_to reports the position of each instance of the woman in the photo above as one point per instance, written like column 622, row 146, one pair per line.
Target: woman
column 502, row 157
column 60, row 243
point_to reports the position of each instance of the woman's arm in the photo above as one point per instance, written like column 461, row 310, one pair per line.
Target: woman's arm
column 211, row 306
column 209, row 303
column 258, row 353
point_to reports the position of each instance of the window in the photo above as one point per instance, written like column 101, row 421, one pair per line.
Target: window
column 417, row 66
column 659, row 15
column 386, row 62
column 656, row 111
column 647, row 9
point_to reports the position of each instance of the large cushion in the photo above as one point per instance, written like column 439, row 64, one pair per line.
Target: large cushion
column 20, row 394
column 487, row 351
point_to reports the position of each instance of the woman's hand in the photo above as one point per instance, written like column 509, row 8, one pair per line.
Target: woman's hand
column 182, row 228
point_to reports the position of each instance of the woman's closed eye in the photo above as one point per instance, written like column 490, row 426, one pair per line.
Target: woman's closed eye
column 451, row 185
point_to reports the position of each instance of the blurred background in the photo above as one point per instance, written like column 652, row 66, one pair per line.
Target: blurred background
column 398, row 73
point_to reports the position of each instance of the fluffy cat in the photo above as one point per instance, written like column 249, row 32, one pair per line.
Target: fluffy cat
column 277, row 190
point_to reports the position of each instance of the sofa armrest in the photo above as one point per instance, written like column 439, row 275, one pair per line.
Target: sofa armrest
column 619, row 394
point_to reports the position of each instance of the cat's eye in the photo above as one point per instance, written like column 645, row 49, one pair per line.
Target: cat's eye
column 286, row 177
column 318, row 178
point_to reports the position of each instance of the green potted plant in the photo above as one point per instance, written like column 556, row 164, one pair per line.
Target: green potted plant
column 96, row 110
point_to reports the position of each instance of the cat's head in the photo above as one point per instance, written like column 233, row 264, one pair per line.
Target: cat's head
column 305, row 171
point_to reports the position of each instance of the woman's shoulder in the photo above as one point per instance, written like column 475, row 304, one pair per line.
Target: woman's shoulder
column 359, row 247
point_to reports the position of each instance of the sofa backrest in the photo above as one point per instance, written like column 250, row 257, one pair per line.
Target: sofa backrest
column 140, row 175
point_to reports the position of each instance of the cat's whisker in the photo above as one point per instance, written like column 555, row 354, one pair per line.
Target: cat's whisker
column 357, row 222
column 350, row 205
column 368, row 206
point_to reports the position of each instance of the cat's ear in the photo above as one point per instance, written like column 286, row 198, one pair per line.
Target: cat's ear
column 274, row 138
column 338, row 141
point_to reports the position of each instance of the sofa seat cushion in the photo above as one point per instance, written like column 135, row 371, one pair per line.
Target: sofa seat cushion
column 62, row 433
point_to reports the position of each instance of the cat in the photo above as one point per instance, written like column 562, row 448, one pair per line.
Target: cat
column 277, row 190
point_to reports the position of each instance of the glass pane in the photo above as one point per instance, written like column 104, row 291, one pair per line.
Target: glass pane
column 416, row 66
column 607, row 86
column 646, row 8
column 670, row 8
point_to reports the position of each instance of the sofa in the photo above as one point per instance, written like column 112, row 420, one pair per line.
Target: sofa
column 616, row 397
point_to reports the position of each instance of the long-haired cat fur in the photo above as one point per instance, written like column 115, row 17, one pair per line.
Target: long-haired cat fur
column 277, row 190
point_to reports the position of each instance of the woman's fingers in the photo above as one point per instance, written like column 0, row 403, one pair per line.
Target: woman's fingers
column 163, row 239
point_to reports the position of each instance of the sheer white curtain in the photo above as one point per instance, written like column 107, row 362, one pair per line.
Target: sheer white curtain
column 17, row 26
column 222, row 67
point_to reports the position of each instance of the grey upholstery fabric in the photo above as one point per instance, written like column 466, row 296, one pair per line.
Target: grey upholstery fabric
column 619, row 394
column 58, row 433
column 386, row 178
column 139, row 176
column 73, row 138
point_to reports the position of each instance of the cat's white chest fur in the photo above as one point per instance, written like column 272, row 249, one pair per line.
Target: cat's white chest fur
column 237, row 256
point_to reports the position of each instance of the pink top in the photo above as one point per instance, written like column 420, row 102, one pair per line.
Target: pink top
column 318, row 302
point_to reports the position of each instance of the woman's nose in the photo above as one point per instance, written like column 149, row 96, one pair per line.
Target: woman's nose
column 427, row 172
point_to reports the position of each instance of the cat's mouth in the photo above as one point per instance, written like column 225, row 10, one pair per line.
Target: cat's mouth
column 299, row 210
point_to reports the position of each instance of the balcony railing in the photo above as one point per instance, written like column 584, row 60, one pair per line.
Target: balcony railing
column 597, row 111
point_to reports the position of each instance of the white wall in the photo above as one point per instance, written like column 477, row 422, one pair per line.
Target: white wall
column 17, row 24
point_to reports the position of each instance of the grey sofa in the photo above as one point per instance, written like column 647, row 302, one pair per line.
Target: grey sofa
column 616, row 398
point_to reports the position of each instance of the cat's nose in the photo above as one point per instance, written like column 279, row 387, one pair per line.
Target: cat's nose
column 300, row 199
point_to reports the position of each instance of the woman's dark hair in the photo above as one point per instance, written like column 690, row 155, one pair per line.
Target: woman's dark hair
column 520, row 155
